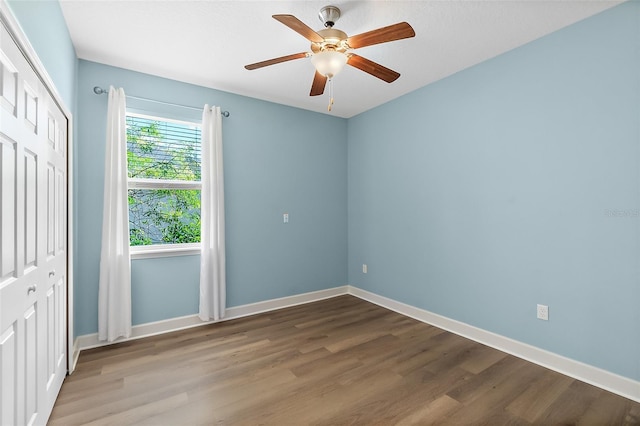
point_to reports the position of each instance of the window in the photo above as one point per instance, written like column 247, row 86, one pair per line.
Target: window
column 163, row 158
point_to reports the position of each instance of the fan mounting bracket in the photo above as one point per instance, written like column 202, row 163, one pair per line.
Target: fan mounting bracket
column 329, row 15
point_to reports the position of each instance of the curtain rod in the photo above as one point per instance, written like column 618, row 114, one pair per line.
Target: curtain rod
column 100, row 91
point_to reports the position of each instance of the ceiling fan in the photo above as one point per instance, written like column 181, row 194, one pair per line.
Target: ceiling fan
column 331, row 48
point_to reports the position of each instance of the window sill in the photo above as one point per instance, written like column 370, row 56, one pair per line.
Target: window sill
column 152, row 252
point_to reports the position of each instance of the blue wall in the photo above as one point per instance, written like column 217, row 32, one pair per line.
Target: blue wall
column 513, row 183
column 277, row 159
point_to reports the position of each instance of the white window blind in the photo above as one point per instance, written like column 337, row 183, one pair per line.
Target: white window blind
column 164, row 181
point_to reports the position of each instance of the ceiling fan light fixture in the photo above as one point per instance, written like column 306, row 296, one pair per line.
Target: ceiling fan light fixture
column 332, row 48
column 329, row 62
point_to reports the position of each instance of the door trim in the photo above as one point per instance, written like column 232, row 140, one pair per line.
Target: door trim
column 10, row 21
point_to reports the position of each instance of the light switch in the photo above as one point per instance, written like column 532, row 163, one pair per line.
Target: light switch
column 285, row 217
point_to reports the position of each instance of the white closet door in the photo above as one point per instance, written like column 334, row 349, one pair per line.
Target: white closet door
column 33, row 143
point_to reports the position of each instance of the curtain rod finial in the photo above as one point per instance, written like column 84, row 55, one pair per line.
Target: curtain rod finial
column 99, row 90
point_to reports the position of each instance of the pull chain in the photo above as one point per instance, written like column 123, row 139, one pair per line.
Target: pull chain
column 330, row 94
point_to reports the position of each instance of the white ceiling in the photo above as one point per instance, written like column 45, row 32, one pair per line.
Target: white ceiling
column 208, row 42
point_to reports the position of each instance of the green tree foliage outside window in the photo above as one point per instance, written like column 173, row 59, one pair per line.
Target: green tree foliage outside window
column 159, row 155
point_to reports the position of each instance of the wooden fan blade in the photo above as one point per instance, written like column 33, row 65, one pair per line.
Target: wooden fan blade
column 370, row 67
column 317, row 87
column 300, row 27
column 276, row 61
column 381, row 35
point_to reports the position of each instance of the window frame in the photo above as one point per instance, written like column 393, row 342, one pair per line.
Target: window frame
column 150, row 251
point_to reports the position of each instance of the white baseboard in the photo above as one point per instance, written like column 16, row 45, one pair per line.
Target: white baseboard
column 89, row 341
column 74, row 356
column 617, row 384
column 611, row 382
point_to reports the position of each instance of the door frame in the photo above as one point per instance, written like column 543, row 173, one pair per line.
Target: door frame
column 12, row 24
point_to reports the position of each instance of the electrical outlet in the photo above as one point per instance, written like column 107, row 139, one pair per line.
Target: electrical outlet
column 364, row 268
column 543, row 312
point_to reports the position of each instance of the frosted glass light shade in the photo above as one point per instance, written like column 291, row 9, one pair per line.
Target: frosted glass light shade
column 329, row 62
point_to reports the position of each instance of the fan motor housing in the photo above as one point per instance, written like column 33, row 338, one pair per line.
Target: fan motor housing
column 333, row 40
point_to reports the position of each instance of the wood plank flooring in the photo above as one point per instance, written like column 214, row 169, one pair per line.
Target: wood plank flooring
column 334, row 362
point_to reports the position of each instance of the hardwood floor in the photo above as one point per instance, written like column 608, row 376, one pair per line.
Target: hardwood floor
column 333, row 362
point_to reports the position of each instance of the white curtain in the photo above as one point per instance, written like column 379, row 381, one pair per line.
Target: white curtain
column 114, row 295
column 212, row 256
